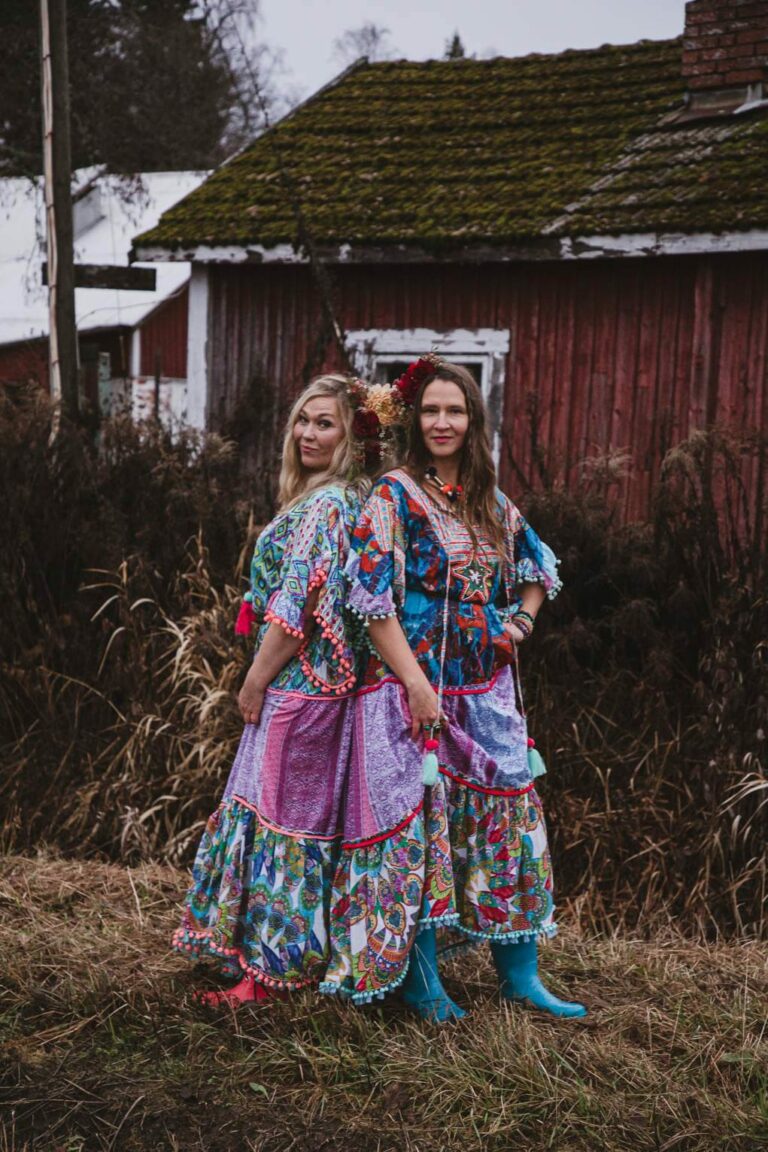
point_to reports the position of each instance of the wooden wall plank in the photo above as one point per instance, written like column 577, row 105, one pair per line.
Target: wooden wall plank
column 616, row 354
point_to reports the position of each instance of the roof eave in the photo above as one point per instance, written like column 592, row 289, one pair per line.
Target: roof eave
column 633, row 244
column 538, row 248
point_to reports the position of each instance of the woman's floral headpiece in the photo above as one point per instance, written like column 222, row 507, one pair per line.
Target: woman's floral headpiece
column 414, row 376
column 380, row 410
column 376, row 413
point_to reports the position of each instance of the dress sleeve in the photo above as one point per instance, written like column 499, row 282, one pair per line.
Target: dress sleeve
column 376, row 565
column 314, row 558
column 529, row 559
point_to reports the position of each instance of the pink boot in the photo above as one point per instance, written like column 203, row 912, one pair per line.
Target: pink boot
column 246, row 991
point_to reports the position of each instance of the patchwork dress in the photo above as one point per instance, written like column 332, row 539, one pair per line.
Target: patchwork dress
column 470, row 852
column 262, row 875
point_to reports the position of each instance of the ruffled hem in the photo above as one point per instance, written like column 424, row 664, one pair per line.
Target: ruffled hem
column 330, row 989
column 258, row 900
column 363, row 603
column 453, row 920
column 528, row 572
column 476, row 861
column 199, row 946
column 546, row 931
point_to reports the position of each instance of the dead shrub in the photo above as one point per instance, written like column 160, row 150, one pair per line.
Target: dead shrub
column 646, row 680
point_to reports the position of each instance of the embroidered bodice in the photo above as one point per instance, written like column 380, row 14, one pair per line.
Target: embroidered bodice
column 408, row 552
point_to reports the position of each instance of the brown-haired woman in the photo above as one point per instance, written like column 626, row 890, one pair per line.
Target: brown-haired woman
column 449, row 578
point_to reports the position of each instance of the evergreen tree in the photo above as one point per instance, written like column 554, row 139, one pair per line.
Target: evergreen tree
column 454, row 49
column 152, row 86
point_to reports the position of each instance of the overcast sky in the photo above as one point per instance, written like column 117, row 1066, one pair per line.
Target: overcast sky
column 305, row 30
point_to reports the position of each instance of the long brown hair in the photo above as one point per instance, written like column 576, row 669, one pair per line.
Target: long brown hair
column 477, row 472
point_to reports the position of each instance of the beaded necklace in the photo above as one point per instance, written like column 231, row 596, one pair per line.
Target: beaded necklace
column 452, row 492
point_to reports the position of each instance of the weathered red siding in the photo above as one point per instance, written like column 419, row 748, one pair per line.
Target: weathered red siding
column 165, row 332
column 28, row 360
column 605, row 356
column 24, row 362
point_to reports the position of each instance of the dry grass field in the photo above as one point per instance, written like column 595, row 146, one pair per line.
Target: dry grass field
column 647, row 687
column 103, row 1048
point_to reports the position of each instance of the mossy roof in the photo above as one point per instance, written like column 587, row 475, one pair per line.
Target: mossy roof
column 447, row 154
column 686, row 177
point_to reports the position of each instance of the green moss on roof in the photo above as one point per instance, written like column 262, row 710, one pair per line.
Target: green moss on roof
column 437, row 153
column 684, row 178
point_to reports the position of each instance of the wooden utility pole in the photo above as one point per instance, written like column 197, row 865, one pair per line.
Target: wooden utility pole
column 158, row 376
column 54, row 70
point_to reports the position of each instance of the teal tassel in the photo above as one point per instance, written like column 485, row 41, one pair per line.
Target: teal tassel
column 536, row 763
column 429, row 769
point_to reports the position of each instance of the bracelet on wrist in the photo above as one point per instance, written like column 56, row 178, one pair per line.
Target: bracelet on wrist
column 523, row 623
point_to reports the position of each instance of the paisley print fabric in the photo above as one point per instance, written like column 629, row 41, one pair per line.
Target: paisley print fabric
column 466, row 859
column 258, row 899
column 470, row 853
column 261, row 880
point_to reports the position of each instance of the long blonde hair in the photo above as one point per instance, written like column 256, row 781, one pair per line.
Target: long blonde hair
column 295, row 479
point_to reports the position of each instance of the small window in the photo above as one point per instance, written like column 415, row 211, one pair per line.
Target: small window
column 387, row 370
column 384, row 354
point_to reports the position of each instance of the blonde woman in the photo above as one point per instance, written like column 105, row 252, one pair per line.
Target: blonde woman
column 258, row 903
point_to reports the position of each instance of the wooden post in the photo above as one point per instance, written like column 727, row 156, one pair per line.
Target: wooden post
column 54, row 70
column 158, row 374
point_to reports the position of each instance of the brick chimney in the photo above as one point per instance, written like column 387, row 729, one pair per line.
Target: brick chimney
column 725, row 54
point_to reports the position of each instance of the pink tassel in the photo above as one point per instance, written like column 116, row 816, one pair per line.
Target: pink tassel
column 245, row 619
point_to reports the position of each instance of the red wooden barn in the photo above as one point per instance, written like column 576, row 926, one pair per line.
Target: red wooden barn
column 587, row 230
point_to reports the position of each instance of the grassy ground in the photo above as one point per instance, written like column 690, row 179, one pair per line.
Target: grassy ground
column 103, row 1049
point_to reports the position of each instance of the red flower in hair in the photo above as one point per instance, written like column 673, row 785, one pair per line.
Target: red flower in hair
column 365, row 424
column 412, row 379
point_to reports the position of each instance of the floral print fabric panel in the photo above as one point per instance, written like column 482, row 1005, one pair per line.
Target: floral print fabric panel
column 257, row 900
column 471, row 861
column 502, row 871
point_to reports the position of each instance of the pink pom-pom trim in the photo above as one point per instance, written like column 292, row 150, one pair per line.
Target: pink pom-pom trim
column 431, row 745
column 531, row 743
column 272, row 618
column 319, row 577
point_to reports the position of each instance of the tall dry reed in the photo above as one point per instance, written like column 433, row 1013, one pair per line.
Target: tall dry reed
column 646, row 680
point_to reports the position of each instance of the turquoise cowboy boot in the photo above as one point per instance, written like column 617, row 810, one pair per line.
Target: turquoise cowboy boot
column 422, row 990
column 517, row 967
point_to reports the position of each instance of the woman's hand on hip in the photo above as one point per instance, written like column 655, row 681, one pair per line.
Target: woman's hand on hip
column 250, row 700
column 422, row 704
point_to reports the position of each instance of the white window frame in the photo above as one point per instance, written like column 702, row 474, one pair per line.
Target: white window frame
column 486, row 347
